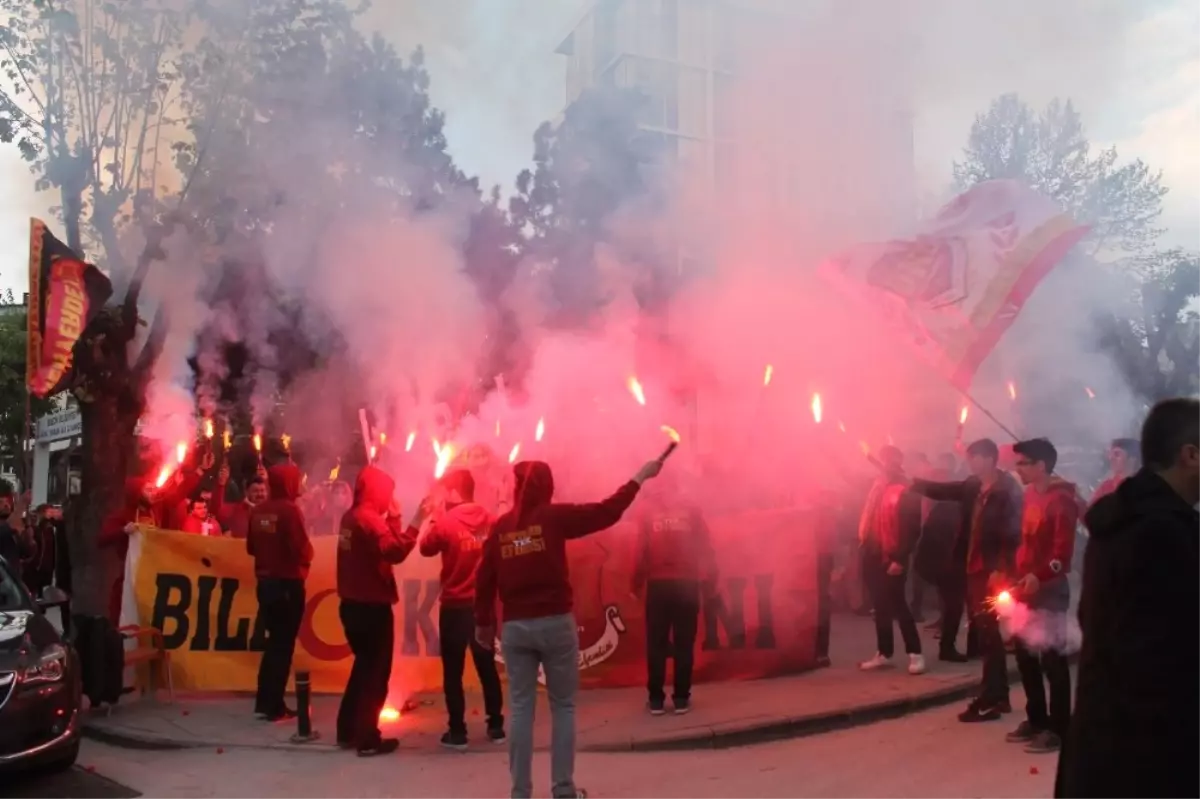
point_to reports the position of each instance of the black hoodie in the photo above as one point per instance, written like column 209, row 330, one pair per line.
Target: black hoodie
column 1136, row 727
column 525, row 558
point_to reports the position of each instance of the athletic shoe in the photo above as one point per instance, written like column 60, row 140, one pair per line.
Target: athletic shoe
column 877, row 662
column 1044, row 743
column 979, row 710
column 496, row 735
column 384, row 746
column 916, row 664
column 657, row 707
column 1005, row 706
column 285, row 713
column 1023, row 734
column 455, row 740
column 823, row 662
column 682, row 706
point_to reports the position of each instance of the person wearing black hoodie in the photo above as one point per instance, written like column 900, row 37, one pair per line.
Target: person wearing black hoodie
column 278, row 541
column 457, row 534
column 371, row 541
column 525, row 564
column 1135, row 730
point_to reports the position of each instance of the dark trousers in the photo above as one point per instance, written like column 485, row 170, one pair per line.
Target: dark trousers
column 456, row 627
column 1053, row 667
column 672, row 617
column 281, row 608
column 887, row 596
column 952, row 591
column 994, row 686
column 370, row 633
column 824, row 603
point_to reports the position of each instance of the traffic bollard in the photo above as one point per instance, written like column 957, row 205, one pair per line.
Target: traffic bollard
column 304, row 730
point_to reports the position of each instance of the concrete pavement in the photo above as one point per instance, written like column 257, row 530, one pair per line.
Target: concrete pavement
column 724, row 714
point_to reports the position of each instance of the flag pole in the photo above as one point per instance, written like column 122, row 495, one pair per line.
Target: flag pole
column 988, row 414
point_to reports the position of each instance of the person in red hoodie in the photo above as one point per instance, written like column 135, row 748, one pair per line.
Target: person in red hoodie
column 278, row 541
column 1122, row 461
column 525, row 563
column 370, row 542
column 200, row 520
column 457, row 534
column 235, row 516
column 674, row 567
column 1051, row 512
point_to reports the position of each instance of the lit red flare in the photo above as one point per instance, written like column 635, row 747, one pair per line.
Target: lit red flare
column 514, row 453
column 333, row 473
column 164, row 474
column 1091, row 394
column 1012, row 390
column 1003, row 598
column 208, row 429
column 227, row 438
column 842, row 426
column 181, row 450
column 388, row 714
column 816, row 408
column 382, row 439
column 408, row 442
column 374, row 451
column 962, row 415
column 770, row 370
column 497, row 428
column 541, row 429
column 258, row 443
column 286, row 440
column 635, row 388
column 445, row 455
column 672, row 433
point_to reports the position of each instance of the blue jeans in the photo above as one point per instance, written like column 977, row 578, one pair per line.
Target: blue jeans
column 551, row 642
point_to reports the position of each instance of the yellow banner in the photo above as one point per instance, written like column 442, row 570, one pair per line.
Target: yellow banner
column 200, row 591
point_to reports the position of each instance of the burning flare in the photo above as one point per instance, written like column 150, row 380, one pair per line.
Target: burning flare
column 841, row 426
column 770, row 370
column 372, row 453
column 635, row 388
column 962, row 415
column 816, row 408
column 227, row 438
column 258, row 443
column 408, row 442
column 445, row 455
column 497, row 428
column 672, row 433
column 388, row 714
column 382, row 439
column 1091, row 394
column 514, row 452
column 164, row 474
column 541, row 429
column 208, row 429
column 1012, row 390
column 333, row 473
column 181, row 452
column 286, row 440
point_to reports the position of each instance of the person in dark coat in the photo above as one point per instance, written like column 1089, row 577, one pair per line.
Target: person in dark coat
column 1136, row 729
column 941, row 558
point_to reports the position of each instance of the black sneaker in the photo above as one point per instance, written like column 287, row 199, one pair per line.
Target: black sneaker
column 384, row 746
column 657, row 707
column 580, row 793
column 682, row 706
column 285, row 713
column 1005, row 706
column 1044, row 743
column 496, row 735
column 952, row 656
column 455, row 740
column 979, row 710
column 1024, row 733
column 823, row 662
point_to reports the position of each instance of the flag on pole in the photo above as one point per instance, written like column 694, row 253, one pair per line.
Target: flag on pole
column 65, row 293
column 953, row 290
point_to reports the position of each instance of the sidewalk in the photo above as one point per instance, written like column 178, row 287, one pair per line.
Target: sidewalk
column 724, row 714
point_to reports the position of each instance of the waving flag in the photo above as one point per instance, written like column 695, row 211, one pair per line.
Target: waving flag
column 65, row 293
column 953, row 290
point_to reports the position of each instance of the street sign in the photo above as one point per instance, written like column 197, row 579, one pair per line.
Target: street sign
column 59, row 425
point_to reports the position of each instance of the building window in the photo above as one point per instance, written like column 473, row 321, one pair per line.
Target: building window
column 724, row 28
column 668, row 28
column 659, row 81
column 606, row 33
column 724, row 106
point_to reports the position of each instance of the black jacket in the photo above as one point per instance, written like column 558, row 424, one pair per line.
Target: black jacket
column 1135, row 730
column 1000, row 524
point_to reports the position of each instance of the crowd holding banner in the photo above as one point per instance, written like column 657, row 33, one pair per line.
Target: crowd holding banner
column 199, row 590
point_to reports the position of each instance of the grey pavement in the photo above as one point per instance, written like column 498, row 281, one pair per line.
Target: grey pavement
column 724, row 714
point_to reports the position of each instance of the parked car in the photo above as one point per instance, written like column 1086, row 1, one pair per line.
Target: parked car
column 41, row 693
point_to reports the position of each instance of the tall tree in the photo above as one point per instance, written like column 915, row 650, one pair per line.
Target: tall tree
column 1050, row 151
column 13, row 396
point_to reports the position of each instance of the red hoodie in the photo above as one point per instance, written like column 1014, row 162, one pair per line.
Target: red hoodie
column 235, row 517
column 525, row 557
column 458, row 535
column 276, row 537
column 1048, row 530
column 370, row 542
column 674, row 544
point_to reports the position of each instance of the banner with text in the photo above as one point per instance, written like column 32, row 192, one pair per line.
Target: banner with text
column 200, row 591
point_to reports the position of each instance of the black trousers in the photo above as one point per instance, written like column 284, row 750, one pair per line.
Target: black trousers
column 672, row 617
column 887, row 596
column 952, row 591
column 994, row 686
column 370, row 631
column 456, row 626
column 824, row 602
column 281, row 607
column 1036, row 670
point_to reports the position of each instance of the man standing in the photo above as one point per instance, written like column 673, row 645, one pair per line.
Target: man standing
column 235, row 516
column 1122, row 462
column 990, row 507
column 1048, row 520
column 39, row 566
column 457, row 535
column 674, row 564
column 371, row 541
column 1135, row 730
column 278, row 542
column 525, row 564
column 942, row 560
column 200, row 520
column 887, row 532
column 15, row 545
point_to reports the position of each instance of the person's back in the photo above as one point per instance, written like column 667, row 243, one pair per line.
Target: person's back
column 1139, row 669
column 276, row 535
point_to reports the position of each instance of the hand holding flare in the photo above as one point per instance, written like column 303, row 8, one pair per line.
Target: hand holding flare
column 673, row 434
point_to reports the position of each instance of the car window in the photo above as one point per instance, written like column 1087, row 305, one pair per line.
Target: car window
column 12, row 596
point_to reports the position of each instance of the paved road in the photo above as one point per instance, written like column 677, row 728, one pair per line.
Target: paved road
column 78, row 783
column 928, row 754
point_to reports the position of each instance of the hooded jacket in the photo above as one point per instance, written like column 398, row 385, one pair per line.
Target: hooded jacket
column 1048, row 522
column 941, row 551
column 1134, row 730
column 276, row 536
column 891, row 520
column 458, row 535
column 990, row 527
column 370, row 542
column 133, row 510
column 525, row 558
column 674, row 543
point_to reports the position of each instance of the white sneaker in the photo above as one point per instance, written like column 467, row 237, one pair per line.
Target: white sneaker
column 916, row 664
column 877, row 662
